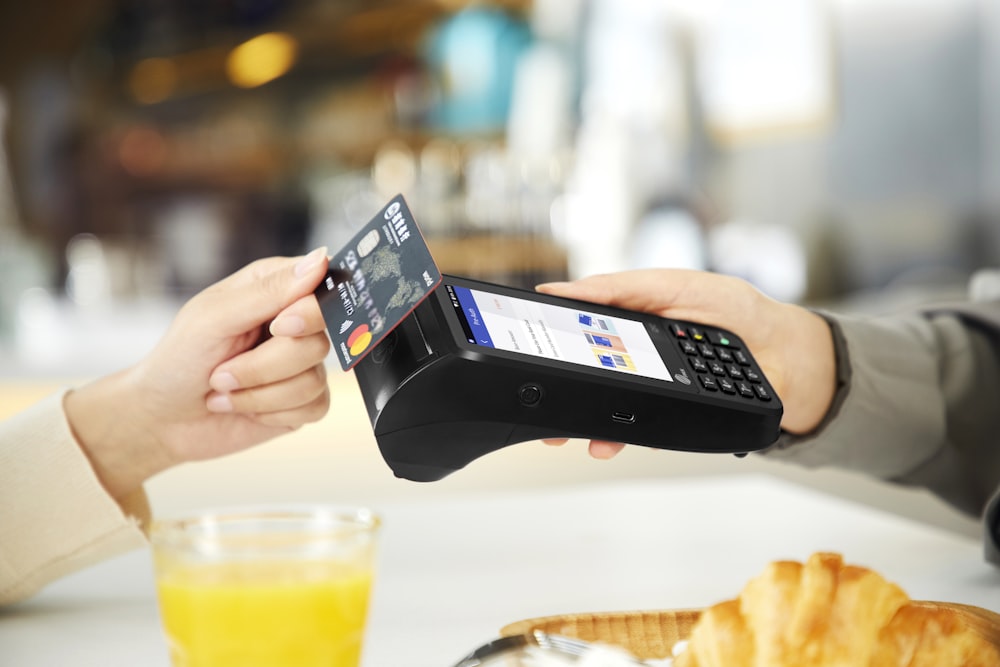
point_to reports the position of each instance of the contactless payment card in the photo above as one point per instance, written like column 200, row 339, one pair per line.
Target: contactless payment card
column 375, row 281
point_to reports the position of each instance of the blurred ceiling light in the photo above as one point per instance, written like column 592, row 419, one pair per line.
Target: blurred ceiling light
column 153, row 80
column 261, row 59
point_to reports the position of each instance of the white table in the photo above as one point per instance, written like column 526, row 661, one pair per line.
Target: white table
column 453, row 571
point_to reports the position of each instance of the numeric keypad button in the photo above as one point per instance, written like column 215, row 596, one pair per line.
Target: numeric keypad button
column 708, row 382
column 719, row 338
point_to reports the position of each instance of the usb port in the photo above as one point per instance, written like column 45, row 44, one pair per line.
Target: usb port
column 623, row 417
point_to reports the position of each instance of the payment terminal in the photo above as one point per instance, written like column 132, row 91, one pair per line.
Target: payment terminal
column 478, row 366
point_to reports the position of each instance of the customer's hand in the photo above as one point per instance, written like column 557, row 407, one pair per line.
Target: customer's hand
column 793, row 345
column 242, row 362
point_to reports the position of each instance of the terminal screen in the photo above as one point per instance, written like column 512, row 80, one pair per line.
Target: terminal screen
column 572, row 335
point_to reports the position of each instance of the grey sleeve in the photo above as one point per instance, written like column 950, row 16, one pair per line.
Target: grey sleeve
column 918, row 404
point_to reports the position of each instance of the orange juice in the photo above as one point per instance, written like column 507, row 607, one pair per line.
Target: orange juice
column 264, row 614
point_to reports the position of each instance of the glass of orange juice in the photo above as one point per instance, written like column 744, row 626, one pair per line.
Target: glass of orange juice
column 265, row 587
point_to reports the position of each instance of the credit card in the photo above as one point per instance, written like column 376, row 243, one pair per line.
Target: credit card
column 375, row 281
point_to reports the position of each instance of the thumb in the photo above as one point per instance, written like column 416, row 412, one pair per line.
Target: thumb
column 258, row 292
column 644, row 290
column 683, row 294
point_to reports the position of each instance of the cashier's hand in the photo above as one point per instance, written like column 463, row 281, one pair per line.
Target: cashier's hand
column 793, row 345
column 242, row 362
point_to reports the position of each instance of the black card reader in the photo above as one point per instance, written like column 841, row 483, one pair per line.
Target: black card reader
column 477, row 367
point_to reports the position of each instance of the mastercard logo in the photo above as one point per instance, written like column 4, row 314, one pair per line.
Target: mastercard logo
column 359, row 340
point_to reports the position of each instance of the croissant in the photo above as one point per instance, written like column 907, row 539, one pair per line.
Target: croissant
column 827, row 614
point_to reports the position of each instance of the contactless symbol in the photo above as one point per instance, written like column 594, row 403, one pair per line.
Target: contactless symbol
column 359, row 340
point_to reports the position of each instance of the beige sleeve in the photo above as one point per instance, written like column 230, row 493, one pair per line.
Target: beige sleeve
column 55, row 517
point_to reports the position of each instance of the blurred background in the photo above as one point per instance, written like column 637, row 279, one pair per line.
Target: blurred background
column 823, row 149
column 843, row 153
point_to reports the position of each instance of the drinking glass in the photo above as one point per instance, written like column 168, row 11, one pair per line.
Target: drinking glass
column 265, row 586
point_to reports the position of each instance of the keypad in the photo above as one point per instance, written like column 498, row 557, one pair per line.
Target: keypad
column 719, row 363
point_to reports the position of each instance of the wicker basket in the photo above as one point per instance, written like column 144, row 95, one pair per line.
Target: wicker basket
column 648, row 635
column 651, row 635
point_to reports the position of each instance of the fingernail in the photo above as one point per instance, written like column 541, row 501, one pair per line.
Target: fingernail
column 219, row 403
column 549, row 285
column 288, row 325
column 223, row 382
column 303, row 266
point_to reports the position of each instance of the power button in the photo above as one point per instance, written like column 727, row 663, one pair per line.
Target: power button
column 529, row 395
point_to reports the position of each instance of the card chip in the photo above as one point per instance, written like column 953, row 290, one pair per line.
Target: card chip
column 368, row 243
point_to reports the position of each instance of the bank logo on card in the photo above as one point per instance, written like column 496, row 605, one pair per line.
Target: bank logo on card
column 374, row 282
